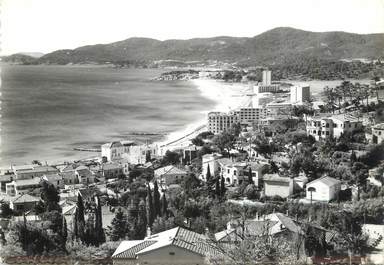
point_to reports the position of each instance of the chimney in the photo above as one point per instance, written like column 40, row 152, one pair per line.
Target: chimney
column 206, row 232
column 229, row 226
column 148, row 231
column 287, row 212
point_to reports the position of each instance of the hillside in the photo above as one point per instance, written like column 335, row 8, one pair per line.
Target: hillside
column 19, row 58
column 272, row 47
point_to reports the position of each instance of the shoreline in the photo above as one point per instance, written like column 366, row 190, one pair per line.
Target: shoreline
column 221, row 93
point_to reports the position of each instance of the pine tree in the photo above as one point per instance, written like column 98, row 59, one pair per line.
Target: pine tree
column 148, row 156
column 208, row 176
column 164, row 206
column 156, row 201
column 119, row 226
column 250, row 180
column 75, row 233
column 149, row 204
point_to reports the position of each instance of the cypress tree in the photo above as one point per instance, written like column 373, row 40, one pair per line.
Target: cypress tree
column 156, row 200
column 80, row 217
column 217, row 188
column 250, row 180
column 64, row 232
column 147, row 157
column 208, row 176
column 150, row 213
column 99, row 231
column 75, row 233
column 164, row 206
column 222, row 186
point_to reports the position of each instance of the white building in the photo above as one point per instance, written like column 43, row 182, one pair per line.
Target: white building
column 170, row 175
column 175, row 246
column 323, row 189
column 267, row 80
column 133, row 153
column 219, row 122
column 210, row 161
column 300, row 94
column 378, row 133
column 331, row 126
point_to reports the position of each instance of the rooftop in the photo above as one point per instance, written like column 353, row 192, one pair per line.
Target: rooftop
column 28, row 182
column 379, row 126
column 329, row 181
column 276, row 177
column 25, row 198
column 169, row 170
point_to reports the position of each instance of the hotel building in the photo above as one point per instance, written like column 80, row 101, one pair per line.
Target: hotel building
column 300, row 94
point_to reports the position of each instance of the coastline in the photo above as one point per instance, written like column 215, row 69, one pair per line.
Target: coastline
column 224, row 96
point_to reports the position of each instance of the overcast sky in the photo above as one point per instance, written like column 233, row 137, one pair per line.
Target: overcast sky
column 48, row 25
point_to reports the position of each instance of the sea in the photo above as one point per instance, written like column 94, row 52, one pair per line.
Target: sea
column 47, row 111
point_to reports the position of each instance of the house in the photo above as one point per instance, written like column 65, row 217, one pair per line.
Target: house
column 112, row 170
column 134, row 153
column 55, row 179
column 22, row 186
column 321, row 127
column 32, row 171
column 210, row 161
column 323, row 189
column 24, row 202
column 170, row 175
column 275, row 185
column 232, row 172
column 84, row 175
column 4, row 179
column 69, row 177
column 175, row 246
column 378, row 133
column 257, row 172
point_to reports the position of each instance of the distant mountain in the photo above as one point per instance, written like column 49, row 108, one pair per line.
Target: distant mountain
column 33, row 54
column 272, row 47
column 19, row 58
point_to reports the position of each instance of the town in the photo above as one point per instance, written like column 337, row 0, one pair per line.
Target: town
column 284, row 179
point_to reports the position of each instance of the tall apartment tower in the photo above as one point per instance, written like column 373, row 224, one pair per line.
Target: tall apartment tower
column 266, row 78
column 300, row 94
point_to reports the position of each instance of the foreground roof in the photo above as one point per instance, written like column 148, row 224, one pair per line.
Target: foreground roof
column 177, row 236
column 25, row 198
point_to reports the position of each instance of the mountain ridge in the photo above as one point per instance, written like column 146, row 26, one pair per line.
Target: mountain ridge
column 276, row 46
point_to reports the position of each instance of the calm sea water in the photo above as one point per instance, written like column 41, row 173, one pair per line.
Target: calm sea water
column 49, row 110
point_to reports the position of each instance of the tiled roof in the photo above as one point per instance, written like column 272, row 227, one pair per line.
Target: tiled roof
column 111, row 166
column 25, row 198
column 27, row 182
column 37, row 169
column 52, row 177
column 256, row 166
column 275, row 177
column 178, row 236
column 169, row 170
column 325, row 180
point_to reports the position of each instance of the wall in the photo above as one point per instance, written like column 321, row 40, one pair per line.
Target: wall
column 161, row 256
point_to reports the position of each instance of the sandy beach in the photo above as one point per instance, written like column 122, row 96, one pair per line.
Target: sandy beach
column 227, row 97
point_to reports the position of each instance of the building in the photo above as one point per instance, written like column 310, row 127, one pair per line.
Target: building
column 112, row 170
column 257, row 169
column 177, row 246
column 84, row 175
column 23, row 202
column 267, row 80
column 219, row 122
column 233, row 173
column 128, row 150
column 210, row 161
column 272, row 126
column 249, row 116
column 300, row 94
column 22, row 186
column 267, row 88
column 279, row 109
column 170, row 175
column 32, row 171
column 4, row 179
column 321, row 127
column 275, row 185
column 55, row 179
column 323, row 189
column 378, row 133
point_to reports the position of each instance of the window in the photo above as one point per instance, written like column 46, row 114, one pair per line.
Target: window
column 327, row 133
column 322, row 133
column 327, row 125
column 172, row 253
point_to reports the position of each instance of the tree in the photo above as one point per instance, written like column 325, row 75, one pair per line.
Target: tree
column 119, row 226
column 162, row 224
column 148, row 156
column 224, row 141
column 164, row 206
column 99, row 231
column 50, row 197
column 170, row 158
column 156, row 200
column 208, row 175
column 80, row 220
column 5, row 210
column 150, row 210
column 250, row 179
column 64, row 232
column 222, row 186
column 217, row 187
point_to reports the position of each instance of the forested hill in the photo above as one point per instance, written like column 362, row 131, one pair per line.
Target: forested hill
column 275, row 46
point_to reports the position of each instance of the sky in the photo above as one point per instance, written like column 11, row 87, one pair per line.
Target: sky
column 48, row 25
